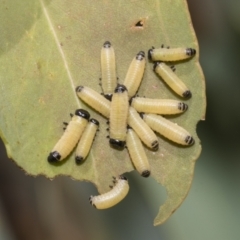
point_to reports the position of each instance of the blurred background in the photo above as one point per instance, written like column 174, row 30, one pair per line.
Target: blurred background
column 36, row 208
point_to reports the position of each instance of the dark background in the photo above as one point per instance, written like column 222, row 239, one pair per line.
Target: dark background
column 36, row 208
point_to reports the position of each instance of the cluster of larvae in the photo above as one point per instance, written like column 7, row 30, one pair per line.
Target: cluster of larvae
column 132, row 120
column 80, row 130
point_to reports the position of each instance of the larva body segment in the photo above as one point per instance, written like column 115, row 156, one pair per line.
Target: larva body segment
column 113, row 197
column 135, row 74
column 108, row 68
column 94, row 100
column 137, row 153
column 168, row 129
column 170, row 54
column 70, row 136
column 144, row 132
column 86, row 140
column 118, row 117
column 158, row 106
column 171, row 79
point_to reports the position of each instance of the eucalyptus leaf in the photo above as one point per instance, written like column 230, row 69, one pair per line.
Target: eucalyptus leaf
column 49, row 47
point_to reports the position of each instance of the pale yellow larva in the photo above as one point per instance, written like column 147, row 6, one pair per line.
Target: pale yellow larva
column 170, row 54
column 144, row 132
column 137, row 153
column 171, row 79
column 158, row 106
column 118, row 117
column 94, row 99
column 108, row 68
column 70, row 136
column 168, row 129
column 135, row 73
column 86, row 141
column 113, row 197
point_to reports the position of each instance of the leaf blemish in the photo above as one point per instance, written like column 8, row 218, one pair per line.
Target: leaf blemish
column 140, row 24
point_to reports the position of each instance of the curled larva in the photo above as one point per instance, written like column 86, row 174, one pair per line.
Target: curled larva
column 113, row 197
column 94, row 100
column 144, row 132
column 170, row 54
column 86, row 140
column 137, row 153
column 70, row 136
column 171, row 79
column 168, row 129
column 135, row 73
column 118, row 117
column 108, row 68
column 158, row 106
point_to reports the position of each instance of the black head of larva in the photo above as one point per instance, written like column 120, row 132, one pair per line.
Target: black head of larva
column 155, row 65
column 79, row 88
column 82, row 113
column 187, row 94
column 190, row 52
column 155, row 145
column 108, row 96
column 117, row 143
column 54, row 157
column 123, row 178
column 140, row 56
column 146, row 173
column 150, row 54
column 141, row 114
column 120, row 88
column 94, row 121
column 128, row 127
column 130, row 100
column 107, row 44
column 182, row 106
column 189, row 140
column 78, row 160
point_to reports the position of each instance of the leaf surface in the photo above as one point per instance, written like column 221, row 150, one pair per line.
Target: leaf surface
column 49, row 47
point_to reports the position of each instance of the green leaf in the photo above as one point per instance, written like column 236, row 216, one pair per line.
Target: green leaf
column 50, row 47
